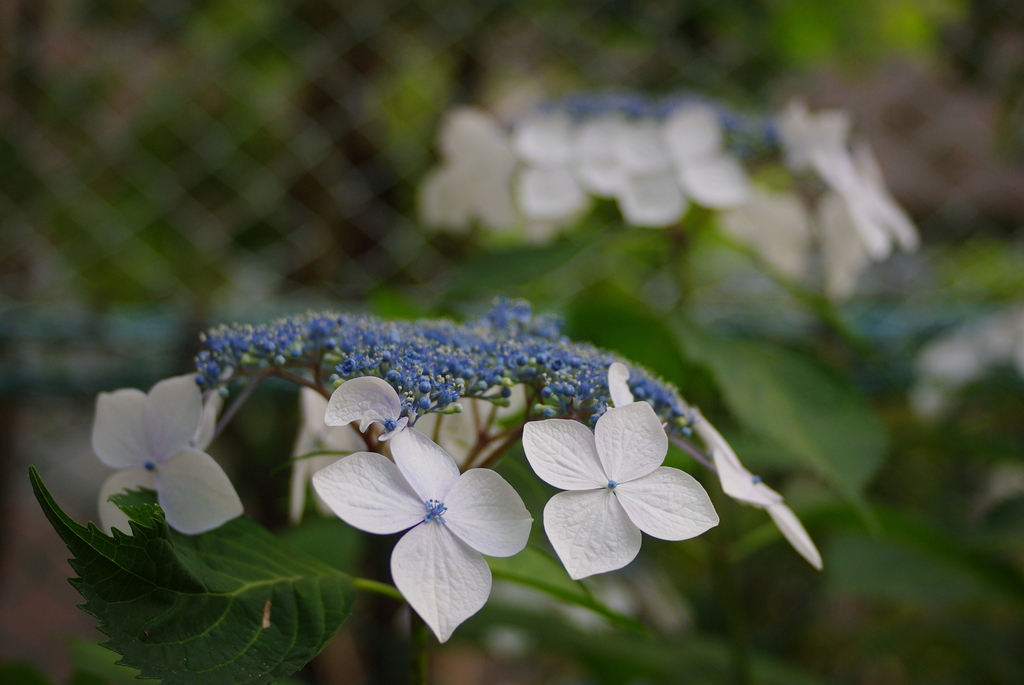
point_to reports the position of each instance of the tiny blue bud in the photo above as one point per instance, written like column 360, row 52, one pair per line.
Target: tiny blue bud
column 424, row 403
column 424, row 387
column 545, row 391
column 756, row 479
column 549, row 412
column 150, row 466
column 390, row 425
column 279, row 360
column 612, row 485
column 506, row 392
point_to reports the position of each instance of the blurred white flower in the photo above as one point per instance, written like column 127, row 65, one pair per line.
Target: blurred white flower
column 706, row 174
column 153, row 439
column 775, row 225
column 964, row 355
column 314, row 436
column 595, row 159
column 616, row 488
column 546, row 189
column 650, row 194
column 871, row 223
column 452, row 519
column 474, row 180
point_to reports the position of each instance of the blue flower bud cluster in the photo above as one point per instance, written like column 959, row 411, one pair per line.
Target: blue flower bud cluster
column 747, row 136
column 432, row 363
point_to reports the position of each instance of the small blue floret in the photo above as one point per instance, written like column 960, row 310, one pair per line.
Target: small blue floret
column 434, row 511
column 612, row 484
column 390, row 425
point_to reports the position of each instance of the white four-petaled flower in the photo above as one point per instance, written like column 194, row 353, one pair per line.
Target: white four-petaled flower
column 453, row 518
column 737, row 481
column 367, row 399
column 156, row 441
column 616, row 488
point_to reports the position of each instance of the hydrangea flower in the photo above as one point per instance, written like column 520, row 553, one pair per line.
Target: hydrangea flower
column 696, row 143
column 315, row 435
column 776, row 226
column 868, row 222
column 546, row 189
column 452, row 520
column 155, row 440
column 474, row 180
column 616, row 488
column 737, row 481
column 367, row 400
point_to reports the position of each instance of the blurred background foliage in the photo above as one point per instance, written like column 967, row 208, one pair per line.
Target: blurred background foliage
column 167, row 166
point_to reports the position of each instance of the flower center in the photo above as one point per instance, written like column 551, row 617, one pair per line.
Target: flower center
column 434, row 510
column 150, row 466
column 390, row 425
column 612, row 484
column 756, row 479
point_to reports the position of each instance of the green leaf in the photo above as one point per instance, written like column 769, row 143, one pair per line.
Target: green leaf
column 502, row 270
column 809, row 411
column 231, row 606
column 536, row 569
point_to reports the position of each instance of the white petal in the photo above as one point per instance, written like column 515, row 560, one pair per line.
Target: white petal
column 359, row 397
column 444, row 201
column 487, row 514
column 717, row 182
column 195, row 493
column 631, row 441
column 111, row 515
column 652, row 201
column 302, row 473
column 737, row 481
column 884, row 205
column 440, row 576
column 208, row 421
column 618, row 384
column 429, row 469
column 775, row 225
column 692, row 132
column 118, row 429
column 595, row 162
column 794, row 531
column 367, row 491
column 668, row 504
column 173, row 409
column 543, row 140
column 803, row 133
column 843, row 254
column 640, row 149
column 591, row 532
column 549, row 194
column 563, row 453
column 837, row 168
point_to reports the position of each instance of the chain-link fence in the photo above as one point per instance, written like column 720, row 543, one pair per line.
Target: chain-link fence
column 163, row 161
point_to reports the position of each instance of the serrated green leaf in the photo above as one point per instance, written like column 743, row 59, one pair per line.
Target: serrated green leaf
column 809, row 411
column 230, row 606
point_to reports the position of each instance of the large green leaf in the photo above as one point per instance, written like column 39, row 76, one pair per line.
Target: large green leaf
column 809, row 411
column 232, row 605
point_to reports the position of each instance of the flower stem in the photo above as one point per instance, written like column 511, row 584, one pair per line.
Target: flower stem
column 377, row 587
